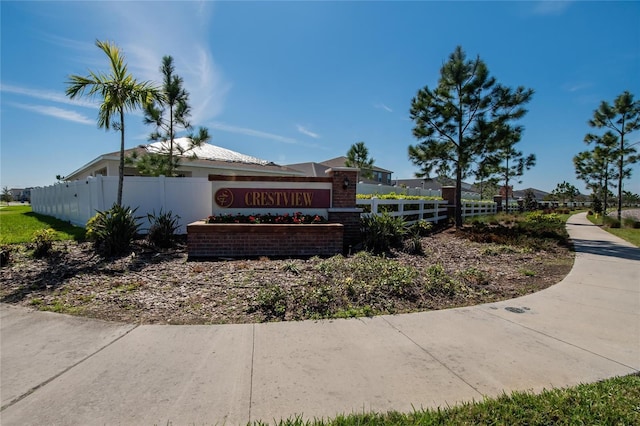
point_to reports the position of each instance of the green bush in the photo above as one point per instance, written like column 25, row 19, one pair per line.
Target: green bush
column 162, row 231
column 42, row 241
column 611, row 222
column 630, row 222
column 272, row 301
column 382, row 232
column 421, row 228
column 413, row 245
column 5, row 255
column 540, row 217
column 112, row 231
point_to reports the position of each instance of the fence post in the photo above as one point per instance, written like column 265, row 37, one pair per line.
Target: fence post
column 374, row 206
column 449, row 194
column 498, row 200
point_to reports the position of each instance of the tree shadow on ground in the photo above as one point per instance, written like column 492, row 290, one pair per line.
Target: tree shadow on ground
column 606, row 248
column 77, row 232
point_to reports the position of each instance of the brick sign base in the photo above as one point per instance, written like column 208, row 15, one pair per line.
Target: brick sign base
column 247, row 240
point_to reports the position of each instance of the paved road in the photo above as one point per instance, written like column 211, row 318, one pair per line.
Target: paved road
column 58, row 369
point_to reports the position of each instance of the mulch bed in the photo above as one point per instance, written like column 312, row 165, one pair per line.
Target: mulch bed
column 151, row 287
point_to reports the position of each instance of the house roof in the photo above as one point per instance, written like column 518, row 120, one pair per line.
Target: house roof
column 208, row 156
column 206, row 151
column 319, row 169
column 521, row 193
column 341, row 162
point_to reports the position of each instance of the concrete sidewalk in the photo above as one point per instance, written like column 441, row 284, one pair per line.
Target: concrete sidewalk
column 58, row 369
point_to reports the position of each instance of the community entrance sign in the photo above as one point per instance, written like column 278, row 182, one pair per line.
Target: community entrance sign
column 264, row 198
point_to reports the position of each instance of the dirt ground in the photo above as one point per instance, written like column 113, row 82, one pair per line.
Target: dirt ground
column 151, row 287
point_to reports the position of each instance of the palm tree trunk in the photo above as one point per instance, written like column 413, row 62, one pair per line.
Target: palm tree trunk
column 121, row 167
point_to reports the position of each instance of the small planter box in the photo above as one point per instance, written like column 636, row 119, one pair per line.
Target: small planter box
column 274, row 240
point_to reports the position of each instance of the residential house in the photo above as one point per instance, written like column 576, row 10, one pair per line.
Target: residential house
column 211, row 159
column 380, row 175
column 21, row 194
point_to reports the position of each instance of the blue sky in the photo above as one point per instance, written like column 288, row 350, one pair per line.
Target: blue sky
column 294, row 82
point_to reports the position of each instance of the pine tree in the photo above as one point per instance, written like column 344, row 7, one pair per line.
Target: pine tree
column 456, row 121
column 169, row 115
column 622, row 118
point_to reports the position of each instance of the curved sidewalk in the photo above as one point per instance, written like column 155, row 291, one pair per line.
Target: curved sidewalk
column 57, row 369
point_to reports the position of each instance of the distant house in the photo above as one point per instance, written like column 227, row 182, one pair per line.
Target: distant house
column 537, row 193
column 380, row 175
column 211, row 159
column 432, row 184
column 21, row 194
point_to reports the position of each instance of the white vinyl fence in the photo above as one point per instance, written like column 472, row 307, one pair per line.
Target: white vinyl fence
column 77, row 201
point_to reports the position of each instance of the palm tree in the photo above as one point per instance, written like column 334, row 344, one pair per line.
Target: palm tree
column 119, row 92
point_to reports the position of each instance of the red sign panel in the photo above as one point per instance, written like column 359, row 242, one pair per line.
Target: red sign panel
column 261, row 198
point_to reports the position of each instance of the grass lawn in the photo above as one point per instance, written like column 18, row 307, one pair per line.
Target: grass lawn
column 610, row 402
column 631, row 235
column 18, row 224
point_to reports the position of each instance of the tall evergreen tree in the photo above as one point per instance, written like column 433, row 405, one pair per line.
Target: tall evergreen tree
column 595, row 167
column 358, row 156
column 456, row 121
column 501, row 156
column 622, row 118
column 169, row 115
column 565, row 191
column 119, row 92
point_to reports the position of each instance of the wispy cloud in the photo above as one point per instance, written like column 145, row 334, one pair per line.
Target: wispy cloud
column 56, row 112
column 184, row 37
column 307, row 132
column 251, row 132
column 46, row 95
column 382, row 106
column 576, row 87
column 551, row 7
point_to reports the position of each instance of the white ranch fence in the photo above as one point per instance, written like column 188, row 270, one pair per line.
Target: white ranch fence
column 430, row 210
column 411, row 210
column 191, row 199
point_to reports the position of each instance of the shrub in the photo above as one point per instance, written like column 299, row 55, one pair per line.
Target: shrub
column 630, row 222
column 272, row 301
column 382, row 232
column 549, row 218
column 163, row 228
column 611, row 222
column 421, row 228
column 113, row 230
column 5, row 255
column 319, row 300
column 42, row 241
column 413, row 245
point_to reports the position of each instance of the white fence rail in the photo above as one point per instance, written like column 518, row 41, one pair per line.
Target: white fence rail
column 429, row 210
column 478, row 208
column 411, row 210
column 77, row 201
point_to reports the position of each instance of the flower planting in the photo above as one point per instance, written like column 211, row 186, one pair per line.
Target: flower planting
column 284, row 219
